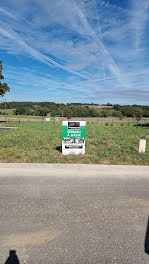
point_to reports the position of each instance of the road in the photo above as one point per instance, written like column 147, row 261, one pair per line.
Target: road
column 74, row 214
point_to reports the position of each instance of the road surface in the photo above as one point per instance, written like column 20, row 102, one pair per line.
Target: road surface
column 67, row 214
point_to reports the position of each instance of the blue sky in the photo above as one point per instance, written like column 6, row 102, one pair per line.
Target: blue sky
column 76, row 51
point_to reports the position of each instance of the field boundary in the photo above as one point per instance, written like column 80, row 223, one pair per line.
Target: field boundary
column 87, row 119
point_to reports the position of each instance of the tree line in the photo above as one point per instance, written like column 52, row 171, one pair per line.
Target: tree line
column 133, row 110
column 75, row 110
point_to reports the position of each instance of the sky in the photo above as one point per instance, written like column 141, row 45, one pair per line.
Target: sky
column 88, row 51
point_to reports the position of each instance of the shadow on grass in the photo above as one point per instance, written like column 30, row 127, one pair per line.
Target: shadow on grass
column 13, row 258
column 146, row 244
column 142, row 125
column 59, row 148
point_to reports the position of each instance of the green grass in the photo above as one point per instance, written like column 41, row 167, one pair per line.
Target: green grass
column 40, row 142
column 21, row 116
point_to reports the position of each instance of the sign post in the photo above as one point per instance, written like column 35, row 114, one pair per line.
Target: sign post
column 73, row 137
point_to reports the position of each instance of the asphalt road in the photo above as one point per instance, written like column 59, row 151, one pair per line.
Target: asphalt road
column 74, row 215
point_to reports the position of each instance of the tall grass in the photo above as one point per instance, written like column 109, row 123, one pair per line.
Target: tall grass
column 41, row 142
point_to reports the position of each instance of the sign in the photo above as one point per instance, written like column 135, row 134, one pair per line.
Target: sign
column 47, row 119
column 142, row 145
column 73, row 137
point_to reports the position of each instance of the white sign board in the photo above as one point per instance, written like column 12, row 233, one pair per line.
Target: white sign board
column 73, row 137
column 142, row 145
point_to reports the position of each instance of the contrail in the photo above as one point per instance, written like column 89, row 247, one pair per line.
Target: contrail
column 111, row 63
column 140, row 16
column 7, row 13
column 38, row 55
column 100, row 35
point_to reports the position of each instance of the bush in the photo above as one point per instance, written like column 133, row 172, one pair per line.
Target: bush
column 2, row 113
column 120, row 116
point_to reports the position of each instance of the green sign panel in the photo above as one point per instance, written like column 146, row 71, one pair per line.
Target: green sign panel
column 73, row 133
column 73, row 137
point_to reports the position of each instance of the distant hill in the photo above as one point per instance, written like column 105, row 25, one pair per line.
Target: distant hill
column 74, row 109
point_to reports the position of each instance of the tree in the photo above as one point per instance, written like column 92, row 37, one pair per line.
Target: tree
column 108, row 104
column 3, row 86
column 20, row 111
column 138, row 113
column 68, row 112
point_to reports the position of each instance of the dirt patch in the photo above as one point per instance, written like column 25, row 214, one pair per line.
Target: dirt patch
column 30, row 238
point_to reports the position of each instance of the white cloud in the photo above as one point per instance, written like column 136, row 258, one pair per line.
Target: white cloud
column 90, row 44
column 140, row 14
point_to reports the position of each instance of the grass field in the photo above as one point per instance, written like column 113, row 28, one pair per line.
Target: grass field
column 20, row 116
column 106, row 144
